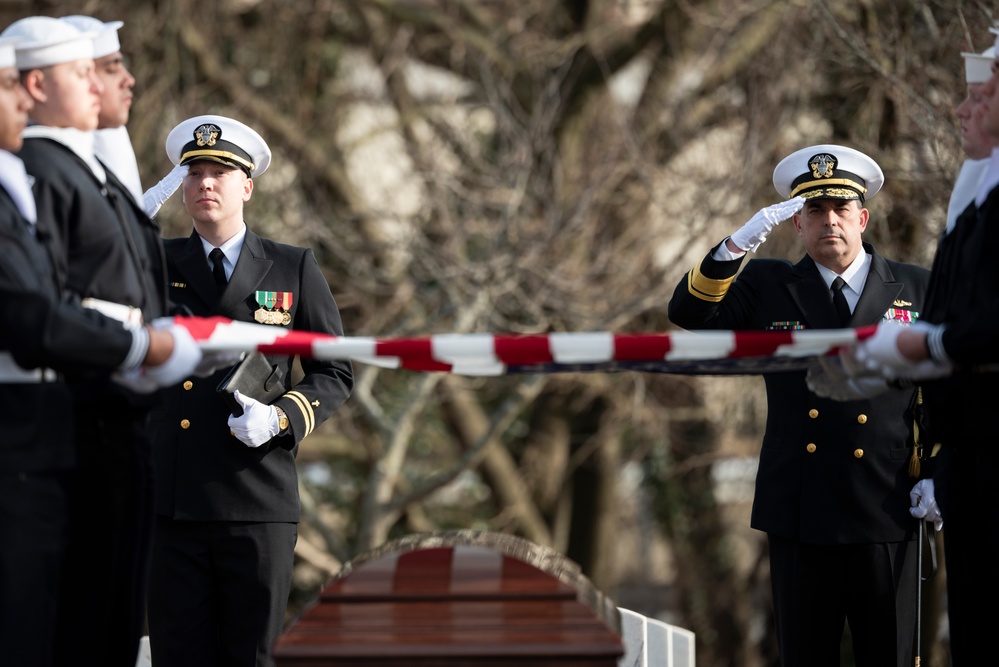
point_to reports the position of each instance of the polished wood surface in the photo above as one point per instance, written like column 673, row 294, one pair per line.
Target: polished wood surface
column 461, row 598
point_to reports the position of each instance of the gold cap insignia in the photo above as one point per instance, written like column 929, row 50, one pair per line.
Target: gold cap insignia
column 207, row 135
column 823, row 165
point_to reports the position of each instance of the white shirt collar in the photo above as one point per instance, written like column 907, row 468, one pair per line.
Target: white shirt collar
column 855, row 275
column 16, row 181
column 113, row 147
column 231, row 248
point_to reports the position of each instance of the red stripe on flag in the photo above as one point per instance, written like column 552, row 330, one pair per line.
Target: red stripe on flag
column 634, row 347
column 294, row 342
column 201, row 328
column 866, row 332
column 521, row 350
column 405, row 348
column 759, row 343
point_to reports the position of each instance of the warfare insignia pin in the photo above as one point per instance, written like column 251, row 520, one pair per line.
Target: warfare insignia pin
column 207, row 134
column 899, row 303
column 822, row 165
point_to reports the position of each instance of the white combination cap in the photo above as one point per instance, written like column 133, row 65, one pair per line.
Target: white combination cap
column 978, row 66
column 219, row 139
column 828, row 171
column 45, row 41
column 106, row 40
column 7, row 58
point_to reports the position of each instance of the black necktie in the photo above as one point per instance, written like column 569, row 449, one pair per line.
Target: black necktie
column 216, row 255
column 839, row 301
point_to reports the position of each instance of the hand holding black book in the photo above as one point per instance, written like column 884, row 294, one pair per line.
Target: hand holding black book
column 255, row 377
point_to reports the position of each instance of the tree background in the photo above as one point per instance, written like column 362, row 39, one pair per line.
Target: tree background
column 532, row 166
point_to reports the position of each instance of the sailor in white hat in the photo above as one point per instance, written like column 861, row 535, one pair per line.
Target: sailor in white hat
column 975, row 142
column 41, row 328
column 109, row 254
column 814, row 448
column 112, row 143
column 226, row 491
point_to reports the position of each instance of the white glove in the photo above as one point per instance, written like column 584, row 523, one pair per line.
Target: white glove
column 752, row 234
column 880, row 351
column 258, row 423
column 880, row 354
column 153, row 198
column 924, row 503
column 183, row 360
column 829, row 379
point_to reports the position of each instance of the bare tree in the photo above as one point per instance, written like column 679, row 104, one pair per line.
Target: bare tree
column 530, row 166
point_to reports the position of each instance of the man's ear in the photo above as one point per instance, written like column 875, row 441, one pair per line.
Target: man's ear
column 247, row 189
column 34, row 82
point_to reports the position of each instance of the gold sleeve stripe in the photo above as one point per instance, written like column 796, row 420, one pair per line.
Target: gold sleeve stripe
column 826, row 182
column 303, row 405
column 707, row 289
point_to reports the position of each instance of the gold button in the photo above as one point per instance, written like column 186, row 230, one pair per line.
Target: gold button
column 188, row 384
column 811, row 448
column 813, row 413
column 858, row 453
column 861, row 419
column 185, row 423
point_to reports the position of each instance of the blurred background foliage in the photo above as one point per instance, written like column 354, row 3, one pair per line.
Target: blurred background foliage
column 532, row 166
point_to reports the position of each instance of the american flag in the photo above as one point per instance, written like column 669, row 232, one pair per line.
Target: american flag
column 489, row 354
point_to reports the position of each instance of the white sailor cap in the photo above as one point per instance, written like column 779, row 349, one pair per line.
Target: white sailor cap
column 45, row 41
column 828, row 171
column 106, row 41
column 7, row 58
column 219, row 139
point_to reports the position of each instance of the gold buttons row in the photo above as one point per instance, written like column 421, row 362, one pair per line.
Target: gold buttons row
column 811, row 448
column 814, row 414
column 186, row 423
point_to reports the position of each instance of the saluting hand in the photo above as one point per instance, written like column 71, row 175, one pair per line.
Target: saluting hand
column 752, row 234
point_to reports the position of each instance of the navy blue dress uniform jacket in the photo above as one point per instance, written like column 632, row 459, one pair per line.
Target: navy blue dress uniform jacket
column 203, row 473
column 39, row 329
column 830, row 472
column 964, row 294
column 103, row 245
column 37, row 450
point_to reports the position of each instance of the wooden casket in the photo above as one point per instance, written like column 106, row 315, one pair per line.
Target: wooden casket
column 456, row 598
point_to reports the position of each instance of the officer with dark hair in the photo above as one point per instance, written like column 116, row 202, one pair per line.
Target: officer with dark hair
column 832, row 487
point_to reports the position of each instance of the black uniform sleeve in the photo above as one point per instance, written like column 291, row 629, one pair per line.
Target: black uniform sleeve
column 326, row 385
column 709, row 298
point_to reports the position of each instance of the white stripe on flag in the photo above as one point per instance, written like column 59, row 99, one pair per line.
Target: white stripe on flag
column 701, row 345
column 581, row 348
